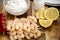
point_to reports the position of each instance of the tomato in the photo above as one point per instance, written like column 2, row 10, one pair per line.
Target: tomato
column 2, row 23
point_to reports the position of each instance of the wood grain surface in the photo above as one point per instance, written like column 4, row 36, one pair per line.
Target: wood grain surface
column 51, row 33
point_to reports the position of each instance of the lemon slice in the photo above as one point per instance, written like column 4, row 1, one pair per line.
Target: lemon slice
column 45, row 23
column 40, row 14
column 51, row 13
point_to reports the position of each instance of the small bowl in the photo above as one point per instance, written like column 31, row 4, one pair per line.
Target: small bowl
column 16, row 13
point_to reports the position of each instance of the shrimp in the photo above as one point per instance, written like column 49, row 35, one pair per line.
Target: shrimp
column 11, row 38
column 19, row 37
column 37, row 34
column 19, row 32
column 22, row 35
column 23, row 20
column 31, row 35
column 26, row 27
column 27, row 37
column 15, row 37
column 20, row 26
column 26, row 24
column 12, row 33
column 33, row 28
column 32, row 18
column 10, row 26
column 16, row 20
column 17, row 27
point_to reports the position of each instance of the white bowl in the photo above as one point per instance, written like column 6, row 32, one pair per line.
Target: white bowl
column 17, row 13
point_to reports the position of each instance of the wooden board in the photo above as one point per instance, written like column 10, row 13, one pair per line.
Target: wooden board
column 28, row 13
column 51, row 33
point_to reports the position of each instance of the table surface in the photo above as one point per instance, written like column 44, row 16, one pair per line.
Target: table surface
column 51, row 33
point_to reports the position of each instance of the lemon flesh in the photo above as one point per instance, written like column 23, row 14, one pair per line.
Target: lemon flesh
column 40, row 14
column 45, row 23
column 51, row 13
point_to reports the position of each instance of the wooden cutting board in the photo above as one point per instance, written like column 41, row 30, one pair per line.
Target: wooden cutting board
column 9, row 16
column 51, row 33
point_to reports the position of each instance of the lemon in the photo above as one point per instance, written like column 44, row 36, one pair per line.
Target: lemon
column 51, row 13
column 40, row 14
column 45, row 23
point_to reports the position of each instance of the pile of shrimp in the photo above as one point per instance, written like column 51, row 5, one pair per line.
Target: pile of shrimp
column 23, row 28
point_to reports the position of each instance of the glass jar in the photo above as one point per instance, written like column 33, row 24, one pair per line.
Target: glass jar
column 38, row 4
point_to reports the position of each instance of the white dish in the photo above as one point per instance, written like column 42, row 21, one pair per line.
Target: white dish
column 52, row 1
column 52, row 4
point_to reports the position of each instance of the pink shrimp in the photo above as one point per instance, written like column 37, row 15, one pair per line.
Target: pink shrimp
column 32, row 19
column 12, row 33
column 11, row 38
column 10, row 26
